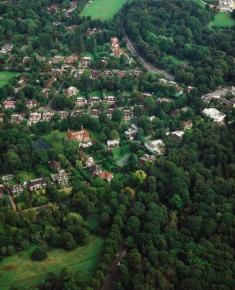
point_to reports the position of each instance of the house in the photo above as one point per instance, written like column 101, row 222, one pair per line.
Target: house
column 61, row 178
column 156, row 146
column 82, row 136
column 63, row 114
column 71, row 91
column 7, row 177
column 95, row 113
column 30, row 104
column 17, row 189
column 131, row 132
column 115, row 47
column 176, row 134
column 57, row 59
column 22, row 81
column 7, row 48
column 16, row 118
column 80, row 102
column 37, row 184
column 110, row 113
column 93, row 101
column 226, row 5
column 127, row 115
column 113, row 144
column 105, row 175
column 110, row 100
column 147, row 158
column 72, row 59
column 85, row 61
column 163, row 100
column 9, row 104
column 186, row 125
column 89, row 161
column 55, row 165
column 215, row 115
column 46, row 116
column 34, row 118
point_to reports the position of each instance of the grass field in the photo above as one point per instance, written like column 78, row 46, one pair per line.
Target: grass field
column 102, row 9
column 5, row 76
column 222, row 19
column 20, row 270
column 121, row 155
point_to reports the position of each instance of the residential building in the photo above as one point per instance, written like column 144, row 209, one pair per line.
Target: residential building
column 34, row 118
column 71, row 91
column 80, row 102
column 131, row 132
column 127, row 115
column 115, row 47
column 110, row 100
column 55, row 165
column 17, row 189
column 9, row 104
column 178, row 135
column 226, row 5
column 95, row 113
column 110, row 113
column 7, row 48
column 82, row 136
column 16, row 118
column 46, row 116
column 57, row 59
column 7, row 177
column 72, row 59
column 113, row 144
column 93, row 101
column 215, row 115
column 156, row 146
column 37, row 184
column 105, row 175
column 61, row 178
column 85, row 61
column 30, row 104
column 63, row 114
column 147, row 158
column 186, row 125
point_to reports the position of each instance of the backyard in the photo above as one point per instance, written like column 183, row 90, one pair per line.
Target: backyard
column 121, row 155
column 5, row 77
column 22, row 271
column 222, row 19
column 102, row 9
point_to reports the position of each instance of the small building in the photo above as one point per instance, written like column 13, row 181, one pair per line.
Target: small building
column 16, row 118
column 85, row 61
column 105, row 175
column 57, row 59
column 147, row 158
column 110, row 113
column 61, row 178
column 186, row 125
column 93, row 101
column 55, row 165
column 131, row 132
column 110, row 100
column 127, row 115
column 178, row 135
column 37, row 184
column 80, row 102
column 7, row 177
column 95, row 113
column 63, row 114
column 9, row 104
column 71, row 91
column 30, row 104
column 47, row 116
column 113, row 144
column 34, row 118
column 226, row 5
column 215, row 115
column 7, row 48
column 89, row 161
column 82, row 136
column 17, row 189
column 156, row 146
column 72, row 59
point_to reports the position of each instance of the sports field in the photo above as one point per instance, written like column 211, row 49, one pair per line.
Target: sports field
column 222, row 19
column 5, row 76
column 102, row 9
column 20, row 270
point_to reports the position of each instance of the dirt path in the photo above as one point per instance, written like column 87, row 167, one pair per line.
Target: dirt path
column 113, row 270
column 146, row 65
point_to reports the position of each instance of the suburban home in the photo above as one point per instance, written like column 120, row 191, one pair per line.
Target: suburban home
column 37, row 184
column 9, row 104
column 115, row 47
column 57, row 59
column 147, row 158
column 89, row 161
column 85, row 61
column 215, row 115
column 110, row 100
column 82, row 136
column 7, row 177
column 93, row 101
column 71, row 91
column 7, row 48
column 131, row 132
column 17, row 189
column 156, row 146
column 34, row 118
column 61, row 178
column 16, row 118
column 80, row 102
column 95, row 113
column 127, row 115
column 186, row 125
column 63, row 114
column 105, row 175
column 113, row 144
column 71, row 59
column 110, row 113
column 46, row 116
column 226, row 5
column 178, row 135
column 30, row 104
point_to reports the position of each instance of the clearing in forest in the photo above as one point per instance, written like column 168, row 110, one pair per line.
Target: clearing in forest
column 20, row 270
column 102, row 9
column 222, row 19
column 5, row 77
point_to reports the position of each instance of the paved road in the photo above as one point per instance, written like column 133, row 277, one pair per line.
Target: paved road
column 146, row 65
column 113, row 270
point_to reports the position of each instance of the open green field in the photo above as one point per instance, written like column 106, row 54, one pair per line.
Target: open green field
column 222, row 19
column 20, row 270
column 102, row 9
column 121, row 155
column 5, row 76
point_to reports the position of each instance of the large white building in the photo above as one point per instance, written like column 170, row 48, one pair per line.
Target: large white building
column 226, row 5
column 215, row 115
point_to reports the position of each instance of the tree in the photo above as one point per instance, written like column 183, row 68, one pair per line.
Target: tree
column 39, row 254
column 140, row 176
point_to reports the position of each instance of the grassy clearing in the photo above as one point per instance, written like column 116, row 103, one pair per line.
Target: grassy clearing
column 21, row 270
column 121, row 155
column 222, row 19
column 175, row 60
column 6, row 76
column 102, row 9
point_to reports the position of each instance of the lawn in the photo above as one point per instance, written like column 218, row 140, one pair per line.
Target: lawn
column 102, row 9
column 20, row 270
column 121, row 155
column 6, row 76
column 222, row 19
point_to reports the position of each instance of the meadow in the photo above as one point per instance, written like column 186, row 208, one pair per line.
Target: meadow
column 222, row 19
column 22, row 271
column 5, row 77
column 102, row 9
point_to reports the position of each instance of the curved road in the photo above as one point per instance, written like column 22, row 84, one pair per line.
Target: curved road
column 146, row 65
